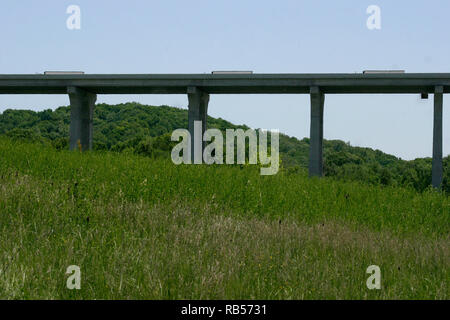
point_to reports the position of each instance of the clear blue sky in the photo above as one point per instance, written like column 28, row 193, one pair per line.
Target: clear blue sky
column 264, row 36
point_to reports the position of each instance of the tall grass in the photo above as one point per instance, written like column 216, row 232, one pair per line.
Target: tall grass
column 142, row 228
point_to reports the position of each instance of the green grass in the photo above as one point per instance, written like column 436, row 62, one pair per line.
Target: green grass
column 147, row 229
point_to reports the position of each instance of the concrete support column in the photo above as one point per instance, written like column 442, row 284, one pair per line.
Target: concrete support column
column 316, row 133
column 198, row 111
column 81, row 118
column 437, row 171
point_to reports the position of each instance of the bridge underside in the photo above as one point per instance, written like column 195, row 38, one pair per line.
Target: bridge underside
column 82, row 90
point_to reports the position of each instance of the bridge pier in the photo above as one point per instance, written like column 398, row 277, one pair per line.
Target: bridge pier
column 316, row 133
column 437, row 170
column 81, row 118
column 198, row 111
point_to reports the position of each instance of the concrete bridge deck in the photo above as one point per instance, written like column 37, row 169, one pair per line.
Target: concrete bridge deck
column 226, row 83
column 83, row 88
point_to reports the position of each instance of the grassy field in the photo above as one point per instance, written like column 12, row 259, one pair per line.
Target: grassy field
column 147, row 229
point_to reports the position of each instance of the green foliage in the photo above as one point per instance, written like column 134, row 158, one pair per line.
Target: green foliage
column 23, row 134
column 144, row 228
column 145, row 130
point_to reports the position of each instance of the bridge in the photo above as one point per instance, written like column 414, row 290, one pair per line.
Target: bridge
column 83, row 89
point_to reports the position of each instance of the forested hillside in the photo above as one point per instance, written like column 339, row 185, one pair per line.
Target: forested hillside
column 142, row 129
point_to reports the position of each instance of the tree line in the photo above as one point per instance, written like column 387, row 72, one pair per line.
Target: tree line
column 145, row 130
